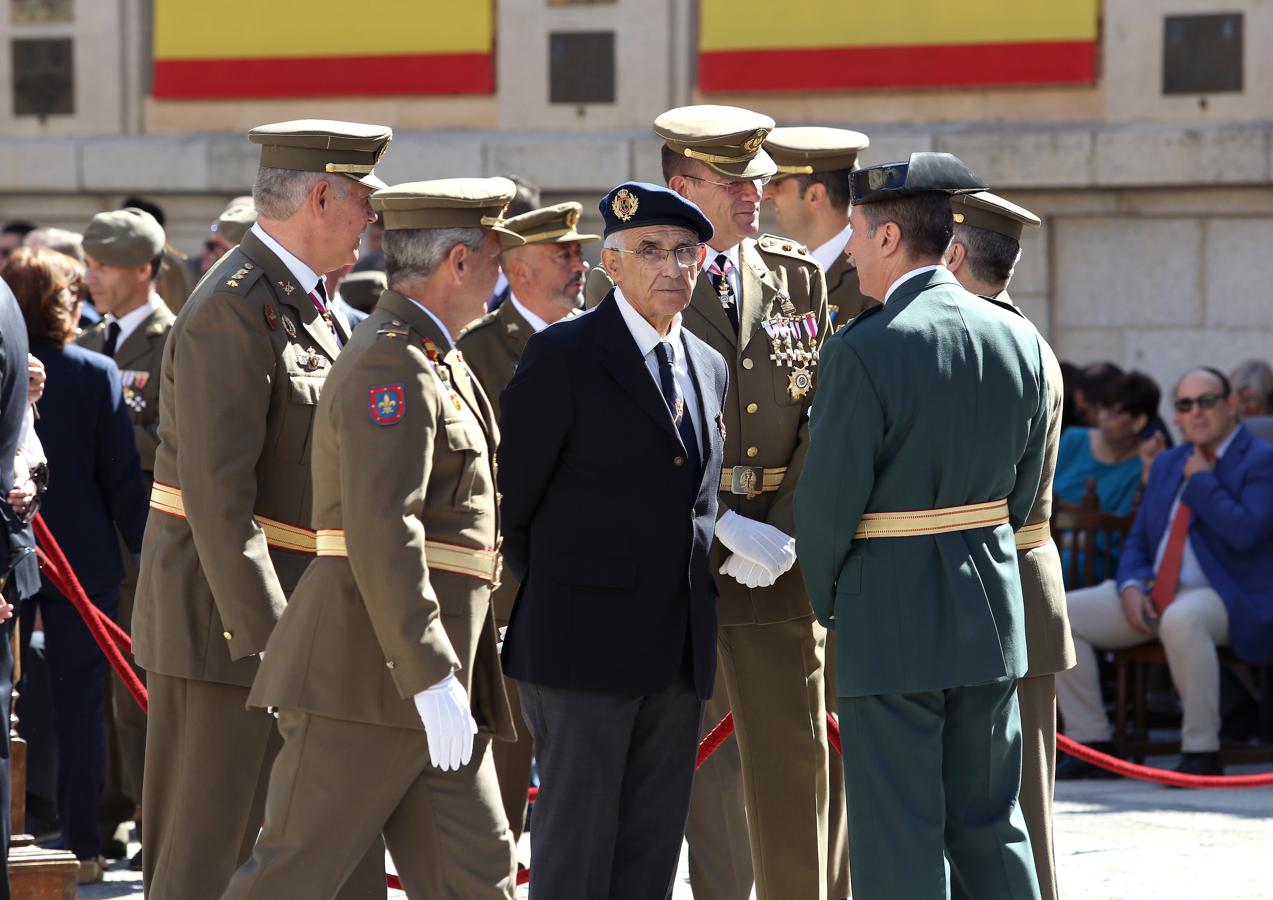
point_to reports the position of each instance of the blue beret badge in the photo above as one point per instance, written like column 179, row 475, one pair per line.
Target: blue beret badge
column 388, row 404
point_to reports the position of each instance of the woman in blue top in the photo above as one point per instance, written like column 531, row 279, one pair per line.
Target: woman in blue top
column 1109, row 454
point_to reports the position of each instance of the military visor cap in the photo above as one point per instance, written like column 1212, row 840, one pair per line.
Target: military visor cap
column 804, row 150
column 729, row 140
column 924, row 173
column 320, row 145
column 361, row 290
column 234, row 223
column 551, row 225
column 993, row 213
column 124, row 237
column 450, row 203
column 636, row 204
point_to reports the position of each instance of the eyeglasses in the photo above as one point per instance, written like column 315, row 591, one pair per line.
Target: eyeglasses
column 687, row 255
column 1204, row 401
column 735, row 187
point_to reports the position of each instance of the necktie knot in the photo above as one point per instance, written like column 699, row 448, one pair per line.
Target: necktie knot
column 112, row 338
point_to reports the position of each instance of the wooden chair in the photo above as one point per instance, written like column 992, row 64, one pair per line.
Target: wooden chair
column 1090, row 536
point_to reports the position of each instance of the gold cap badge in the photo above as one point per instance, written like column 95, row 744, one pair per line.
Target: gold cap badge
column 625, row 204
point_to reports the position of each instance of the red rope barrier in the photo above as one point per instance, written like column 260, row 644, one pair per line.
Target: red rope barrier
column 1160, row 776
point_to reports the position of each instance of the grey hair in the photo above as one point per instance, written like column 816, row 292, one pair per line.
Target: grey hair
column 70, row 243
column 417, row 252
column 279, row 193
column 992, row 257
column 613, row 241
column 1254, row 375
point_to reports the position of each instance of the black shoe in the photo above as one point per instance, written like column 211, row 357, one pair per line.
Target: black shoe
column 1201, row 763
column 1071, row 768
column 134, row 864
column 114, row 849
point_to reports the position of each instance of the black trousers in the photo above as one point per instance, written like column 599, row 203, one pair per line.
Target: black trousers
column 615, row 773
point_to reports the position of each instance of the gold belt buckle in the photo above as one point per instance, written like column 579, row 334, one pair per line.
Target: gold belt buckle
column 746, row 481
column 498, row 574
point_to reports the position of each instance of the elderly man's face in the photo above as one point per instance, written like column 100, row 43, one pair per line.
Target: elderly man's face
column 553, row 272
column 1211, row 415
column 653, row 280
column 345, row 216
column 865, row 250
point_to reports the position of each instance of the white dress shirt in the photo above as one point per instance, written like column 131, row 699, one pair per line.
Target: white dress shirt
column 731, row 270
column 131, row 321
column 306, row 277
column 647, row 339
column 446, row 334
column 828, row 253
column 911, row 274
column 535, row 322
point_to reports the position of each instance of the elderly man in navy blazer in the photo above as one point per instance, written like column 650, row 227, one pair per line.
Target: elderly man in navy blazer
column 1196, row 572
column 611, row 434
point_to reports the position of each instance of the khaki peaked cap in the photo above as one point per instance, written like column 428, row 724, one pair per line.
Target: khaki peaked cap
column 124, row 237
column 551, row 225
column 993, row 213
column 728, row 139
column 361, row 290
column 449, row 203
column 806, row 149
column 351, row 149
column 235, row 221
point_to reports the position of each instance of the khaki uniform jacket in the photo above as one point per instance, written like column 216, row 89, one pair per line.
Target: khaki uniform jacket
column 175, row 282
column 844, row 295
column 242, row 373
column 363, row 634
column 765, row 425
column 492, row 345
column 1047, row 627
column 139, row 358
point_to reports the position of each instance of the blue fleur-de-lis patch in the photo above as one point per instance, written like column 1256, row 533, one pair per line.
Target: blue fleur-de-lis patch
column 388, row 403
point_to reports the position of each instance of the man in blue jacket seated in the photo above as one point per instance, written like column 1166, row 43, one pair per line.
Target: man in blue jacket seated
column 1196, row 573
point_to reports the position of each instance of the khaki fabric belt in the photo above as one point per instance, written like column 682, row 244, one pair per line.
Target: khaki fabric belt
column 166, row 498
column 1031, row 536
column 485, row 565
column 914, row 523
column 750, row 481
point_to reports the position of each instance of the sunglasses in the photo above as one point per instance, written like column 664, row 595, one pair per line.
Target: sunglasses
column 1204, row 401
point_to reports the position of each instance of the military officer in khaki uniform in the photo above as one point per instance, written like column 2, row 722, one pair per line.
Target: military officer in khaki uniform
column 545, row 279
column 391, row 626
column 763, row 306
column 122, row 249
column 982, row 255
column 810, row 194
column 228, row 535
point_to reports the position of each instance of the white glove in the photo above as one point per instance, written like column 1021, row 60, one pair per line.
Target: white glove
column 760, row 542
column 746, row 572
column 448, row 723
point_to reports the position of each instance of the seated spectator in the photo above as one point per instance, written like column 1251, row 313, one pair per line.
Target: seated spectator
column 1196, row 573
column 1094, row 380
column 1110, row 453
column 1253, row 384
column 1070, row 410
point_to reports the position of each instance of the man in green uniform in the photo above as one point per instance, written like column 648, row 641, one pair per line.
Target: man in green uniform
column 228, row 535
column 937, row 403
column 810, row 194
column 982, row 255
column 545, row 280
column 391, row 627
column 123, row 250
column 763, row 306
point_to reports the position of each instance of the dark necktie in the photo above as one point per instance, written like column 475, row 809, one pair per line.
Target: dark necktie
column 318, row 295
column 680, row 415
column 724, row 290
column 112, row 338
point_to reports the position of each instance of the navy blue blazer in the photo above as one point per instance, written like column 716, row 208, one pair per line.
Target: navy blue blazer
column 602, row 525
column 95, row 482
column 1231, row 532
column 16, row 539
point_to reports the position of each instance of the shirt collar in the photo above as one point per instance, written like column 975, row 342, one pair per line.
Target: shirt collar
column 535, row 322
column 646, row 337
column 911, row 274
column 828, row 253
column 131, row 321
column 1227, row 441
column 305, row 276
column 731, row 254
column 450, row 341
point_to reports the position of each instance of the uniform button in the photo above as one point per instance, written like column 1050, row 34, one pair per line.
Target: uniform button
column 747, row 363
column 227, row 635
column 391, row 665
column 752, row 452
column 751, row 407
column 678, row 460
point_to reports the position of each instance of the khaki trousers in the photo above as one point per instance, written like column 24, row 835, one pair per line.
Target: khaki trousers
column 512, row 765
column 1190, row 629
column 1036, row 697
column 337, row 785
column 207, row 765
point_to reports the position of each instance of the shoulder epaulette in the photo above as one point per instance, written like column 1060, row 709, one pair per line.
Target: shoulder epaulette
column 784, row 246
column 392, row 329
column 478, row 323
column 239, row 280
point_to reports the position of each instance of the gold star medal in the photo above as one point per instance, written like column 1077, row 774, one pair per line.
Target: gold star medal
column 799, row 382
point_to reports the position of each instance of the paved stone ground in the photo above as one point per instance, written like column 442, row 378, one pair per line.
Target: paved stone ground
column 1116, row 840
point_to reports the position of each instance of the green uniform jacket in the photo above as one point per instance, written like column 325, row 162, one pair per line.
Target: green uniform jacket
column 243, row 368
column 363, row 634
column 1047, row 625
column 843, row 293
column 934, row 400
column 139, row 358
column 764, row 424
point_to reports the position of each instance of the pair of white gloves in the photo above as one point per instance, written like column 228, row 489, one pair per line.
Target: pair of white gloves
column 759, row 553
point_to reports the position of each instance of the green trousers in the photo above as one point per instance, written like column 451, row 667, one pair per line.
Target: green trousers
column 932, row 781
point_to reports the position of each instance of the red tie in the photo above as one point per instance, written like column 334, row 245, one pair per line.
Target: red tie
column 1168, row 575
column 322, row 311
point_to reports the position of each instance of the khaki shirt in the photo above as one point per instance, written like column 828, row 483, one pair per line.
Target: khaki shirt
column 843, row 293
column 243, row 369
column 364, row 633
column 765, row 425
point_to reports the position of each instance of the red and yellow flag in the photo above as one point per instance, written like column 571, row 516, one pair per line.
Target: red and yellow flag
column 809, row 45
column 245, row 49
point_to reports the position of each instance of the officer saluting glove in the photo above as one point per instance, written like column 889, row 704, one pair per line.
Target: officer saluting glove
column 757, row 541
column 746, row 572
column 448, row 723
